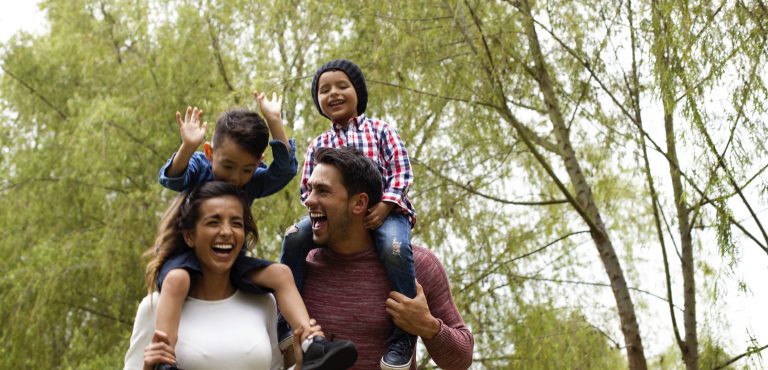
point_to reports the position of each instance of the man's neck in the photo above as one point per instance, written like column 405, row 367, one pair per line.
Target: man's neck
column 357, row 240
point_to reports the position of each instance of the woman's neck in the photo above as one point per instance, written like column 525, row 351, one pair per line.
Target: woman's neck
column 212, row 288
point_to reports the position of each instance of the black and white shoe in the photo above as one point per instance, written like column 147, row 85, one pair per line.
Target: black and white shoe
column 322, row 354
column 399, row 355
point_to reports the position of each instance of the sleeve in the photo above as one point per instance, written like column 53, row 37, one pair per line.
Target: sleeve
column 309, row 166
column 143, row 329
column 269, row 180
column 196, row 173
column 399, row 176
column 277, row 357
column 453, row 345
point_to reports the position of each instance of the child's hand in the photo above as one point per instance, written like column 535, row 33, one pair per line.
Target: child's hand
column 377, row 214
column 270, row 108
column 312, row 331
column 192, row 132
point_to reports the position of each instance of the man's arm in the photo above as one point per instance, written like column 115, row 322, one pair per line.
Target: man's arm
column 433, row 315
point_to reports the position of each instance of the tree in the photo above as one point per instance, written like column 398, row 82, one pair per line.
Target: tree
column 530, row 125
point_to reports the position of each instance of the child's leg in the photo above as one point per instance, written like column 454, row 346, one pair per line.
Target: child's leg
column 319, row 353
column 278, row 277
column 393, row 242
column 175, row 289
column 173, row 281
column 297, row 243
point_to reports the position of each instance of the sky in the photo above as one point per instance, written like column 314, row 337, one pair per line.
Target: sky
column 19, row 15
column 745, row 312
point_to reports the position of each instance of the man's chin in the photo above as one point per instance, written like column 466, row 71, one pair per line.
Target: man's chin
column 319, row 240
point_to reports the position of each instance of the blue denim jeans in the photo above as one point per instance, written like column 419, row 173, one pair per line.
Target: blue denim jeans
column 393, row 242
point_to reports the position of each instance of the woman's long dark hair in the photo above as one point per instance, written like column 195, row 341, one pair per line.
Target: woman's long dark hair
column 182, row 216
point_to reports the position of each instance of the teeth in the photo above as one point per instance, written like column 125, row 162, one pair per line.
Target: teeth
column 223, row 246
column 316, row 214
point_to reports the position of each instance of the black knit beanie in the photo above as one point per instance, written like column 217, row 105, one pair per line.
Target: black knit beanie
column 355, row 75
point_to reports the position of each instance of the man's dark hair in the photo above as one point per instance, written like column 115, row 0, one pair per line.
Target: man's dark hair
column 359, row 174
column 245, row 128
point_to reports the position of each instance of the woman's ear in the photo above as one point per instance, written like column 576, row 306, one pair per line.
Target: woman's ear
column 188, row 238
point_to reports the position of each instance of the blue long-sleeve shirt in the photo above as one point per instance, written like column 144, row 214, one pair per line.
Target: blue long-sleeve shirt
column 266, row 180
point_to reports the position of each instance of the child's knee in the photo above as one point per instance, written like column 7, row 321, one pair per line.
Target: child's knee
column 177, row 281
column 281, row 272
column 395, row 252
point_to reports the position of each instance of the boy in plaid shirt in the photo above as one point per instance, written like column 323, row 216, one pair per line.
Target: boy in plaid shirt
column 340, row 94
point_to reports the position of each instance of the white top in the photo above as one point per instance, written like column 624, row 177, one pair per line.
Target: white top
column 238, row 332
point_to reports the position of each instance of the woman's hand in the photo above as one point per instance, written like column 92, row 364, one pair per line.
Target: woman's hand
column 314, row 330
column 159, row 351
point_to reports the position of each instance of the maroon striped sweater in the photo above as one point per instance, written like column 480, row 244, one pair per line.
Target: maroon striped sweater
column 347, row 294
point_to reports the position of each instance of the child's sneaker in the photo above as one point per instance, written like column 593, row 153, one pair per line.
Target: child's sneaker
column 321, row 354
column 400, row 353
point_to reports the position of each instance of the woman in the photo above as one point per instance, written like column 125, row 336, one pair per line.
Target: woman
column 220, row 328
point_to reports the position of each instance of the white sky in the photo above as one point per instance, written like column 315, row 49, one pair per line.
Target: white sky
column 744, row 312
column 18, row 15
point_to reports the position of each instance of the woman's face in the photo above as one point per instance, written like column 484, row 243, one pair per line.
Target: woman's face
column 218, row 235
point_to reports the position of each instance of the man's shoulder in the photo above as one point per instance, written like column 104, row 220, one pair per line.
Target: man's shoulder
column 423, row 257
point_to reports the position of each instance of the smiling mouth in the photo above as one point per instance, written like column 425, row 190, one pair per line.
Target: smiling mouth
column 318, row 219
column 222, row 249
column 334, row 103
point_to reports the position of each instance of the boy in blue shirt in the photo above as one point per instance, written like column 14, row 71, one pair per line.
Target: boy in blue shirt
column 235, row 156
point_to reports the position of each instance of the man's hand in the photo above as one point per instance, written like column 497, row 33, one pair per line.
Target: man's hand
column 270, row 108
column 412, row 315
column 377, row 214
column 192, row 132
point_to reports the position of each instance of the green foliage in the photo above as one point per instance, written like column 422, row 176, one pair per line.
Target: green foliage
column 88, row 119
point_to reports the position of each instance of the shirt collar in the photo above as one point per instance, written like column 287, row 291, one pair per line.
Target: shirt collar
column 354, row 121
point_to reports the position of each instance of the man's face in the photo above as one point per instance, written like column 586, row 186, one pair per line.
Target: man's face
column 232, row 164
column 328, row 204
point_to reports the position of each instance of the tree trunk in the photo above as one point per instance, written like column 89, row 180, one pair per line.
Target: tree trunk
column 584, row 199
column 690, row 346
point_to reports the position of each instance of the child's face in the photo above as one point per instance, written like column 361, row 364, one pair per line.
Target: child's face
column 337, row 96
column 232, row 164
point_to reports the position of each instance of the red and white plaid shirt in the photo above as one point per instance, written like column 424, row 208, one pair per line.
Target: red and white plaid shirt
column 381, row 143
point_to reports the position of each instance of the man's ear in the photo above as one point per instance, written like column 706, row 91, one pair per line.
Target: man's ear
column 188, row 238
column 208, row 151
column 360, row 203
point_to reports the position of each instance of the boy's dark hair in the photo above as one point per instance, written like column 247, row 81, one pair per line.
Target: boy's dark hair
column 359, row 174
column 245, row 128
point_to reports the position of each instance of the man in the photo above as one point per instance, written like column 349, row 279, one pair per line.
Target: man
column 346, row 286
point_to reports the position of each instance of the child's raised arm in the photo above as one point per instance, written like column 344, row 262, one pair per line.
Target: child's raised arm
column 192, row 135
column 270, row 109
